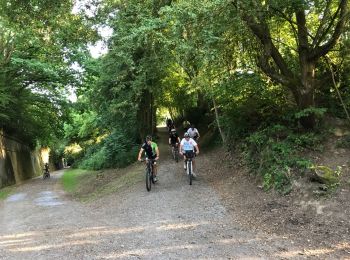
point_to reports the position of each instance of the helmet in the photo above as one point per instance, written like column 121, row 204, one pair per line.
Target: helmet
column 186, row 135
column 148, row 138
column 173, row 130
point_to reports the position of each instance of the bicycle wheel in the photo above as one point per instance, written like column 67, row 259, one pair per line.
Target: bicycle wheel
column 46, row 175
column 176, row 155
column 189, row 171
column 152, row 174
column 148, row 179
column 152, row 178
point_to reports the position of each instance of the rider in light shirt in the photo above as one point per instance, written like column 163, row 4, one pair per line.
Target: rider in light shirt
column 193, row 132
column 187, row 146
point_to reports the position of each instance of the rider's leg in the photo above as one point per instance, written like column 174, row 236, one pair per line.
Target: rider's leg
column 154, row 169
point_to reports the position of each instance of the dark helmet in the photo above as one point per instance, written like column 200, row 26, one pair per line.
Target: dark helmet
column 148, row 138
column 186, row 135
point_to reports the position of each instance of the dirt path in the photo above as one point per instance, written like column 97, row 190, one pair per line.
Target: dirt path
column 173, row 221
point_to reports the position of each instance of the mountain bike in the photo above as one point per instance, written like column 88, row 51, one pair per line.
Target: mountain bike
column 149, row 173
column 175, row 151
column 46, row 174
column 189, row 166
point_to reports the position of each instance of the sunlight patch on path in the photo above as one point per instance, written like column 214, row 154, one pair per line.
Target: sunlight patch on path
column 51, row 246
column 16, row 197
column 48, row 198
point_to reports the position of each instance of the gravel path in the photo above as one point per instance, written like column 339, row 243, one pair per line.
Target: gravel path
column 173, row 221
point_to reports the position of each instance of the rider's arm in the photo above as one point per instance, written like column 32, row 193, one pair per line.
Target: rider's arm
column 197, row 149
column 157, row 151
column 180, row 149
column 169, row 140
column 140, row 154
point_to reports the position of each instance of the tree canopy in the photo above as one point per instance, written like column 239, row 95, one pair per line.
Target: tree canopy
column 239, row 67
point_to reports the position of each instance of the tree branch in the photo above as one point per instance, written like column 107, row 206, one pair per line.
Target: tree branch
column 302, row 32
column 262, row 32
column 343, row 18
column 290, row 21
column 264, row 65
column 318, row 36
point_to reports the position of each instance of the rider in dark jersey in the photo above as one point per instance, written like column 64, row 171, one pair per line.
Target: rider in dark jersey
column 174, row 138
column 151, row 151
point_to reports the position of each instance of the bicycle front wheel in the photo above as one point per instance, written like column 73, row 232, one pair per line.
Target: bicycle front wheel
column 189, row 171
column 148, row 180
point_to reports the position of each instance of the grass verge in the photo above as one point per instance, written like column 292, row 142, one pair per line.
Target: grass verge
column 5, row 192
column 71, row 178
column 115, row 182
column 88, row 186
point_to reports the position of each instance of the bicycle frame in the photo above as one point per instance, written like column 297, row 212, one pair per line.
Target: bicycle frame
column 189, row 166
column 175, row 151
column 150, row 166
column 46, row 174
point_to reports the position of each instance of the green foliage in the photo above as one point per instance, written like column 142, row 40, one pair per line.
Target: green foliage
column 179, row 56
column 116, row 150
column 37, row 51
column 315, row 111
column 273, row 152
column 247, row 103
column 344, row 142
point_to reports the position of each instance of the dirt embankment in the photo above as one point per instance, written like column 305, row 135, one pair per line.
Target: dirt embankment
column 319, row 225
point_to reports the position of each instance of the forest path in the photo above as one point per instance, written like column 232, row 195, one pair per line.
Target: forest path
column 172, row 221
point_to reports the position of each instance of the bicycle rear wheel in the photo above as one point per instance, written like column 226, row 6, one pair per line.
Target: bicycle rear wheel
column 148, row 180
column 176, row 151
column 46, row 175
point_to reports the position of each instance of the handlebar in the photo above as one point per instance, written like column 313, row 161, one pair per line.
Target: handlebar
column 142, row 160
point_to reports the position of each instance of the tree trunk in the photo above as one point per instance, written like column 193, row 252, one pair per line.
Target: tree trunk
column 306, row 92
column 145, row 115
column 222, row 134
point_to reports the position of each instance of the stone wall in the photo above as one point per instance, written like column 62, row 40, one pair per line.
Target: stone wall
column 17, row 161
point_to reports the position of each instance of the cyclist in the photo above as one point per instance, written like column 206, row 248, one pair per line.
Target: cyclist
column 46, row 167
column 189, row 146
column 46, row 170
column 193, row 132
column 169, row 124
column 152, row 152
column 174, row 139
column 186, row 125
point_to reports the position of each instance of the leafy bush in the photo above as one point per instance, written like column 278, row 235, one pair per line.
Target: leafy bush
column 273, row 152
column 116, row 150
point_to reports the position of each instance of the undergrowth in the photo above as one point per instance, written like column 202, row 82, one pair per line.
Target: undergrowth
column 275, row 153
